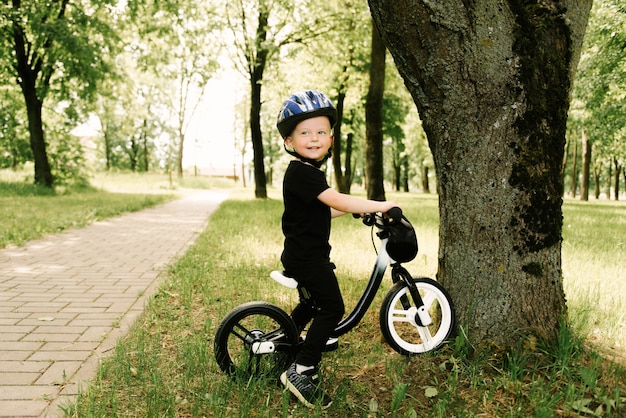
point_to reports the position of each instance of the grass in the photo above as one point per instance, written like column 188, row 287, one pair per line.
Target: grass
column 165, row 366
column 594, row 263
column 29, row 212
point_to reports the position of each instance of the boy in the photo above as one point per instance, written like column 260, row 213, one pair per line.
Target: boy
column 305, row 123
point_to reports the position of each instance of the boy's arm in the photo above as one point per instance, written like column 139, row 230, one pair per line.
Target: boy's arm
column 350, row 204
column 334, row 213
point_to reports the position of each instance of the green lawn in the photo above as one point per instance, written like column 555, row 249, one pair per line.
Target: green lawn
column 29, row 212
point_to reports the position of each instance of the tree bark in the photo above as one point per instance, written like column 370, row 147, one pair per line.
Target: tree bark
column 491, row 81
column 374, row 120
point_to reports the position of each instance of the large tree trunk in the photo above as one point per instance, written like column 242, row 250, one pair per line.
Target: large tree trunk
column 374, row 120
column 491, row 81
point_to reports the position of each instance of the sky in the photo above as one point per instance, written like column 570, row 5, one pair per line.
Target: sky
column 210, row 138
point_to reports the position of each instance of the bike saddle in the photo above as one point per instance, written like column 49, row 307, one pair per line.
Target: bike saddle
column 284, row 280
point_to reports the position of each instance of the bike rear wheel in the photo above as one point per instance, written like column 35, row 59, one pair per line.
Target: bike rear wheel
column 403, row 324
column 256, row 339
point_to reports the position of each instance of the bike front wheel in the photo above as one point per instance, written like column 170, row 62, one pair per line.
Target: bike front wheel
column 410, row 329
column 256, row 339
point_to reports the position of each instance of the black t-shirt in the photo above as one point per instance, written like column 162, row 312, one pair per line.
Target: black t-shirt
column 306, row 220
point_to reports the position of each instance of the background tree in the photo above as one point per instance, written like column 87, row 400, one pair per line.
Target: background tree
column 394, row 113
column 181, row 43
column 50, row 43
column 599, row 93
column 492, row 82
column 346, row 55
column 374, row 120
column 261, row 29
column 337, row 63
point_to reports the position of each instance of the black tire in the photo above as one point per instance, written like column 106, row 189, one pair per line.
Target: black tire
column 400, row 323
column 255, row 322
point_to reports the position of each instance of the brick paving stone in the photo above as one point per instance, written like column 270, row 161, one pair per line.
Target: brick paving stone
column 23, row 366
column 60, row 355
column 12, row 336
column 7, row 307
column 25, row 379
column 67, row 298
column 94, row 334
column 9, row 392
column 69, row 346
column 59, row 372
column 12, row 318
column 8, row 346
column 51, row 337
column 13, row 355
column 46, row 320
column 23, row 408
column 18, row 328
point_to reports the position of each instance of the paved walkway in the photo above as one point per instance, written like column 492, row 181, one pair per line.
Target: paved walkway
column 66, row 299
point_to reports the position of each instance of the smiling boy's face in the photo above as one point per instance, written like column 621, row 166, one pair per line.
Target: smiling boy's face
column 311, row 138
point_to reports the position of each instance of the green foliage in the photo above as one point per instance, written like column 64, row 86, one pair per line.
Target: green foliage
column 29, row 211
column 74, row 37
column 54, row 47
column 600, row 87
column 14, row 146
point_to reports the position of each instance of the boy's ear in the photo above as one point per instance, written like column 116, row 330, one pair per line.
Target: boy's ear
column 288, row 143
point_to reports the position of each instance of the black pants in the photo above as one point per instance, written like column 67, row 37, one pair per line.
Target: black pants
column 325, row 307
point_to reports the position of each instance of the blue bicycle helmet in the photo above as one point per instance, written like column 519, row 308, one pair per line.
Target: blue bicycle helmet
column 301, row 106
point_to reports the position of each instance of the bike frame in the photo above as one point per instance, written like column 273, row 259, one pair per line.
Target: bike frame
column 398, row 273
column 403, row 304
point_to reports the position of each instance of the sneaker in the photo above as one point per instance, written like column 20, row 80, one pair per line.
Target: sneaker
column 305, row 387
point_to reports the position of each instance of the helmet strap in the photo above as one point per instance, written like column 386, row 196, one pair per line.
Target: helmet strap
column 314, row 163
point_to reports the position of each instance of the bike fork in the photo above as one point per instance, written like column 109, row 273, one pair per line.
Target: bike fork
column 422, row 317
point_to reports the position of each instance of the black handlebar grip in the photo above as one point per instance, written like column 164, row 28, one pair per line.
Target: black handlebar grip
column 395, row 213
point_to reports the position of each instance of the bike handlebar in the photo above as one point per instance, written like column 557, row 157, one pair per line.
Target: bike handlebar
column 395, row 213
column 369, row 219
